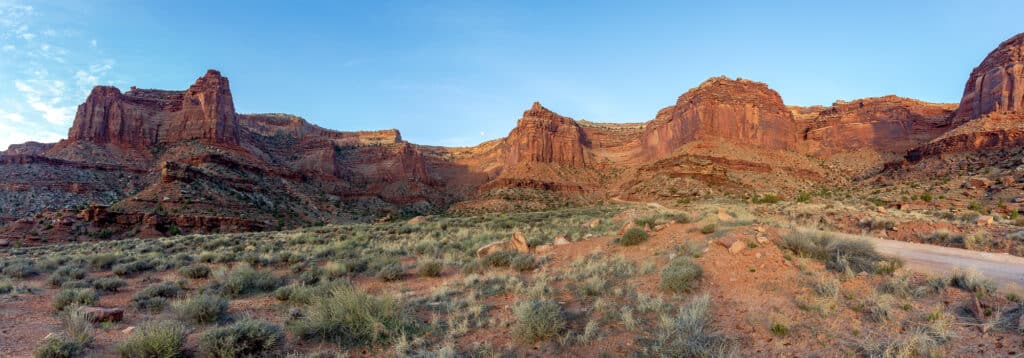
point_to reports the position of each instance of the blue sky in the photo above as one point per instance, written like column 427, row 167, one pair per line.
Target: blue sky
column 458, row 73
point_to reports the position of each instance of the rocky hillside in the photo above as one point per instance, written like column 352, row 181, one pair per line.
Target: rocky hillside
column 157, row 162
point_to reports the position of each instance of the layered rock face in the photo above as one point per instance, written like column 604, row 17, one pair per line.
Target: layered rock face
column 148, row 117
column 738, row 110
column 543, row 136
column 997, row 84
column 888, row 124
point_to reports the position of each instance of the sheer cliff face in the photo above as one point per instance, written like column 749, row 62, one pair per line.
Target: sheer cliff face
column 997, row 84
column 542, row 136
column 885, row 124
column 736, row 110
column 204, row 112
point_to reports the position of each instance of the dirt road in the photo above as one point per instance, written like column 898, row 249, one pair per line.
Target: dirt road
column 932, row 259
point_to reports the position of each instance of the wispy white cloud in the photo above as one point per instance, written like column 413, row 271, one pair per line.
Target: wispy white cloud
column 46, row 71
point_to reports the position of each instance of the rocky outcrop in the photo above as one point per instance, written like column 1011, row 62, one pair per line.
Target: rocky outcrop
column 738, row 110
column 27, row 148
column 142, row 118
column 997, row 84
column 889, row 124
column 542, row 136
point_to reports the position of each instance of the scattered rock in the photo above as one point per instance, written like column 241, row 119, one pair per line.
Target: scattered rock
column 660, row 227
column 985, row 220
column 101, row 314
column 629, row 225
column 494, row 247
column 544, row 248
column 49, row 335
column 757, row 255
column 417, row 220
column 128, row 330
column 593, row 223
column 737, row 246
column 1006, row 180
column 882, row 210
column 519, row 242
column 724, row 216
column 978, row 183
column 4, row 243
column 561, row 240
column 761, row 240
column 727, row 241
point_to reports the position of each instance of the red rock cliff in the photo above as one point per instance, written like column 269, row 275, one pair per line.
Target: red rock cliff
column 997, row 84
column 147, row 117
column 890, row 123
column 742, row 111
column 545, row 137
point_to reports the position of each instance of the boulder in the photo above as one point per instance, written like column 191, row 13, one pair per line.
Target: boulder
column 4, row 243
column 978, row 183
column 518, row 242
column 101, row 314
column 737, row 246
column 562, row 240
column 593, row 223
column 724, row 216
column 493, row 247
column 728, row 241
column 128, row 330
column 985, row 220
column 417, row 220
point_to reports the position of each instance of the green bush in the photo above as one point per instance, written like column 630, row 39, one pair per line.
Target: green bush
column 202, row 308
column 680, row 275
column 708, row 229
column 349, row 317
column 102, row 261
column 66, row 274
column 537, row 320
column 155, row 339
column 524, row 263
column 690, row 334
column 154, row 297
column 109, row 284
column 430, row 268
column 633, row 236
column 840, row 255
column 58, row 346
column 499, row 259
column 245, row 280
column 972, row 281
column 245, row 338
column 132, row 268
column 195, row 271
column 391, row 272
column 77, row 326
column 20, row 269
column 75, row 297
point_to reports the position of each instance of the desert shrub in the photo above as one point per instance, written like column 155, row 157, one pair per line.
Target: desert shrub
column 978, row 240
column 20, row 269
column 58, row 346
column 132, row 268
column 650, row 221
column 690, row 334
column 499, row 259
column 537, row 320
column 202, row 308
column 245, row 338
column 523, row 263
column 972, row 281
column 391, row 272
column 780, row 329
column 75, row 297
column 108, row 284
column 77, row 326
column 311, row 276
column 766, row 199
column 708, row 229
column 825, row 286
column 633, row 236
column 155, row 339
column 877, row 307
column 349, row 317
column 245, row 280
column 154, row 297
column 840, row 255
column 65, row 274
column 6, row 286
column 102, row 261
column 430, row 268
column 944, row 237
column 195, row 271
column 680, row 275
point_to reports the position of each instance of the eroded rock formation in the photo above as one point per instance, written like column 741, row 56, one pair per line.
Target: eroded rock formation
column 997, row 84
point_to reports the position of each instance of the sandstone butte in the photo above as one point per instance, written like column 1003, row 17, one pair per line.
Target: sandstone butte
column 157, row 162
